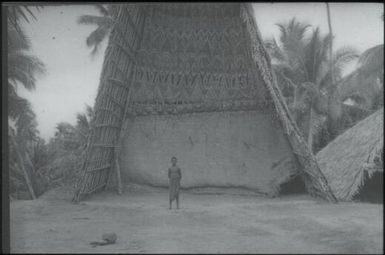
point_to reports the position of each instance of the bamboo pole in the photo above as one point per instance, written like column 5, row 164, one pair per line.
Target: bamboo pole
column 99, row 135
column 123, row 130
column 120, row 141
column 118, row 177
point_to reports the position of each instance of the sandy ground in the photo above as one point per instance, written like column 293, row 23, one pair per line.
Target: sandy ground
column 206, row 223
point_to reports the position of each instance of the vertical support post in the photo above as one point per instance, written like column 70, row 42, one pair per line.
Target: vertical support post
column 117, row 150
column 118, row 177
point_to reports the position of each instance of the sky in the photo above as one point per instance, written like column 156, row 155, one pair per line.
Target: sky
column 73, row 75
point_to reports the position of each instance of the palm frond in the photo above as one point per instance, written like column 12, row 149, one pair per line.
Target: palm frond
column 292, row 32
column 82, row 121
column 17, row 106
column 27, row 9
column 113, row 10
column 275, row 52
column 94, row 20
column 96, row 38
column 89, row 112
column 341, row 58
column 372, row 59
column 15, row 13
column 103, row 9
column 24, row 68
column 26, row 126
column 345, row 55
column 313, row 58
column 17, row 40
column 64, row 128
column 26, row 62
column 19, row 76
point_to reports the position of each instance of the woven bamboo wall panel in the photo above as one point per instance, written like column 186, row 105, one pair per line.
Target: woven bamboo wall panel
column 112, row 96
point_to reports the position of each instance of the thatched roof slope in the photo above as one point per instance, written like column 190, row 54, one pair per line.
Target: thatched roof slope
column 357, row 150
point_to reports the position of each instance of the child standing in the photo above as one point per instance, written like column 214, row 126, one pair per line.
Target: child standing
column 174, row 175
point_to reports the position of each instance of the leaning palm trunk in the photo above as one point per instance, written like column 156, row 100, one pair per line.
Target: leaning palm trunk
column 22, row 166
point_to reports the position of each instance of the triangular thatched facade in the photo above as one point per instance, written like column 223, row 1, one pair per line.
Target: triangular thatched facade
column 358, row 151
column 182, row 60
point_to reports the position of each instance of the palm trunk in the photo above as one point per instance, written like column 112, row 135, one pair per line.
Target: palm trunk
column 311, row 131
column 295, row 103
column 117, row 151
column 334, row 111
column 21, row 164
column 118, row 177
column 331, row 87
column 117, row 154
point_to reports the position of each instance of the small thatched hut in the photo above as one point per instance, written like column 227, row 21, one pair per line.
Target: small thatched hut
column 353, row 162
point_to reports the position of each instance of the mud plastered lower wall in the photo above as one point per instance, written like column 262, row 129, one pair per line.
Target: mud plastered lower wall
column 231, row 149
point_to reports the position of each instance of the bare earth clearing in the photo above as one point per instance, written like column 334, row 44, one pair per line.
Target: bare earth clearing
column 206, row 223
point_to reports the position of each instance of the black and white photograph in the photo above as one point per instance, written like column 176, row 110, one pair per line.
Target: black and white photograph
column 193, row 127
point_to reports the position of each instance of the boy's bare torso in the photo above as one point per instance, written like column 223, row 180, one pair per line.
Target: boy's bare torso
column 174, row 172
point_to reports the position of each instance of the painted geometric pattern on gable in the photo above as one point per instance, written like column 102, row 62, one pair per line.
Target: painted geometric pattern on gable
column 194, row 63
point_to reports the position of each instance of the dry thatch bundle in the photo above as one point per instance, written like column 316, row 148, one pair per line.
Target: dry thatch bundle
column 347, row 159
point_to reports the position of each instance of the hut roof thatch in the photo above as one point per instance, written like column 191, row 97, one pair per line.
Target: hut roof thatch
column 358, row 150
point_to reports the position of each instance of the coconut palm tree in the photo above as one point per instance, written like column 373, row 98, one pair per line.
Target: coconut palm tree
column 104, row 25
column 334, row 106
column 371, row 65
column 67, row 147
column 83, row 125
column 363, row 89
column 23, row 70
column 20, row 12
column 300, row 60
column 21, row 137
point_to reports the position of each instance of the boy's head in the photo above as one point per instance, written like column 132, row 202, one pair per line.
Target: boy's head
column 173, row 161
